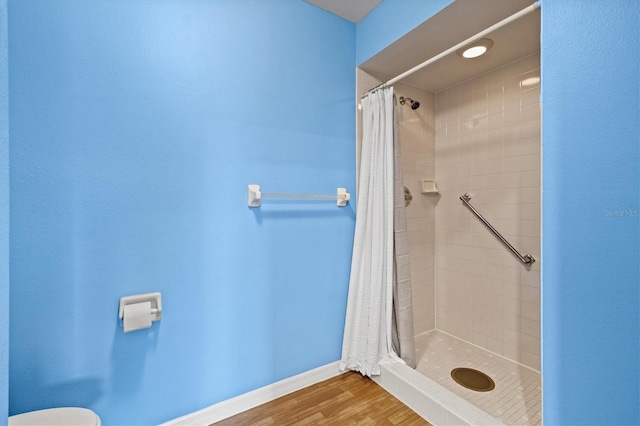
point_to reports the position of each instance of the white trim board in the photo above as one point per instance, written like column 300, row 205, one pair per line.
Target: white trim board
column 230, row 407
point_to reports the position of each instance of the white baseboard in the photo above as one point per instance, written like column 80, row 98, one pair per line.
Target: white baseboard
column 244, row 402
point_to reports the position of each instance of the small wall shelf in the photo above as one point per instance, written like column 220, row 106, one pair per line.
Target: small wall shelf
column 428, row 186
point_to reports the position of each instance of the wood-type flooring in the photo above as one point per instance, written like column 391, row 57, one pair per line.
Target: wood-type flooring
column 347, row 399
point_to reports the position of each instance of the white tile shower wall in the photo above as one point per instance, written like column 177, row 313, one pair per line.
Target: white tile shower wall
column 417, row 140
column 487, row 144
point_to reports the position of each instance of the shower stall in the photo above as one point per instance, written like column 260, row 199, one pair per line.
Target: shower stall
column 471, row 155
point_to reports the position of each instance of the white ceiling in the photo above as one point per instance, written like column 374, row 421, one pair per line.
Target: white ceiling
column 352, row 10
column 457, row 22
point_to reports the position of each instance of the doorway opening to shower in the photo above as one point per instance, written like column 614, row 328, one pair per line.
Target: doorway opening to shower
column 477, row 131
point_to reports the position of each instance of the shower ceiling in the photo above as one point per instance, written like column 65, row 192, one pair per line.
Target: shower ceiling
column 452, row 25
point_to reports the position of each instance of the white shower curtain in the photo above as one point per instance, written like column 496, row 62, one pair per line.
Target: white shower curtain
column 367, row 335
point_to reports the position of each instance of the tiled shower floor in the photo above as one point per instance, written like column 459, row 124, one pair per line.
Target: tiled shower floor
column 516, row 397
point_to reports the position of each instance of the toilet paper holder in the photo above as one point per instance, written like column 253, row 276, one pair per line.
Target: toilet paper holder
column 154, row 298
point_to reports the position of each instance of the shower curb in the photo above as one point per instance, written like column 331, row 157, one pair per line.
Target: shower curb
column 429, row 400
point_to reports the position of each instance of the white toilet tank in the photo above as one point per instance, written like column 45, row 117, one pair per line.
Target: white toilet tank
column 65, row 416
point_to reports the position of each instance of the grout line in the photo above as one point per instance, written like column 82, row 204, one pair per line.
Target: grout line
column 491, row 352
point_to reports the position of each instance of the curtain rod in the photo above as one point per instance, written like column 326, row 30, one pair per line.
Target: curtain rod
column 463, row 43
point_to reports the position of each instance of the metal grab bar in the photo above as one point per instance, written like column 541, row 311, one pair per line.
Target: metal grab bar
column 527, row 259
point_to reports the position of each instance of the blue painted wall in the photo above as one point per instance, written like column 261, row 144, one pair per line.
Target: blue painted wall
column 135, row 129
column 391, row 20
column 4, row 214
column 591, row 138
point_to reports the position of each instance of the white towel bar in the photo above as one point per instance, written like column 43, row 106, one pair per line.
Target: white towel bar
column 255, row 195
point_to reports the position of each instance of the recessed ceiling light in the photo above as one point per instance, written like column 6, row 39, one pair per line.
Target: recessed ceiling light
column 475, row 49
column 474, row 52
